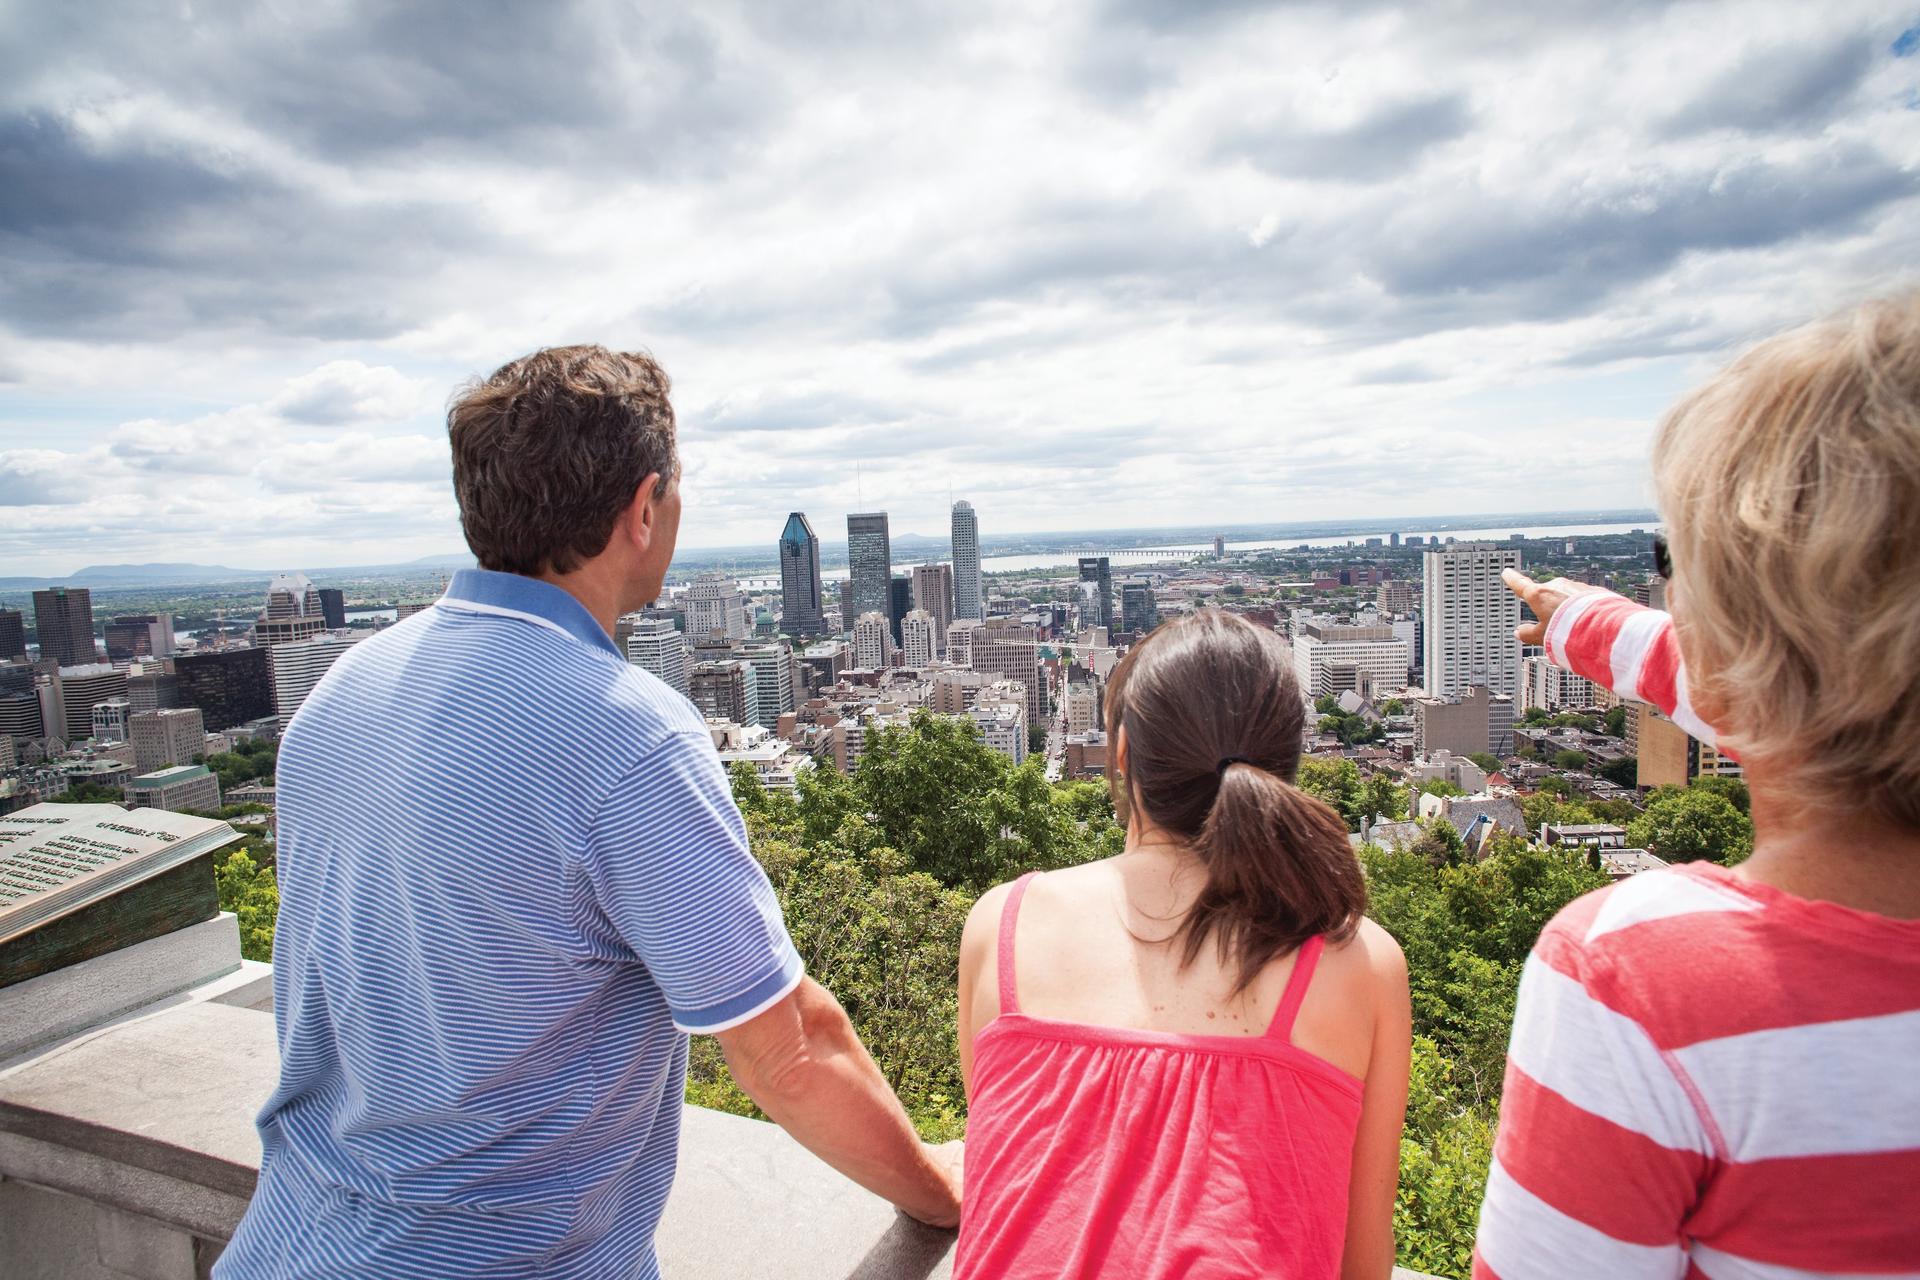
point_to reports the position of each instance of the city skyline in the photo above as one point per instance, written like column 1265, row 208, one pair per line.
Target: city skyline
column 1302, row 260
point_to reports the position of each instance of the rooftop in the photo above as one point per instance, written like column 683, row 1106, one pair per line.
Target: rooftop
column 171, row 774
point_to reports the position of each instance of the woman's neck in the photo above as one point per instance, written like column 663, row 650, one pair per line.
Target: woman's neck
column 1832, row 853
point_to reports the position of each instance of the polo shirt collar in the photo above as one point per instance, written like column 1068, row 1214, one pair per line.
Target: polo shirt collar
column 515, row 595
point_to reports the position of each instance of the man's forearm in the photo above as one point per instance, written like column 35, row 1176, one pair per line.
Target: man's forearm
column 827, row 1092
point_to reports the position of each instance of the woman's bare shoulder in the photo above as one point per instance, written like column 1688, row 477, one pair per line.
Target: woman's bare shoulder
column 1370, row 956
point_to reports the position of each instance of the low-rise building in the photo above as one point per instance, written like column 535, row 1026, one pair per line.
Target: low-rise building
column 1591, row 835
column 178, row 788
column 1444, row 766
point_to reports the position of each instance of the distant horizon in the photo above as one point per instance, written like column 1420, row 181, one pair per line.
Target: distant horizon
column 1000, row 543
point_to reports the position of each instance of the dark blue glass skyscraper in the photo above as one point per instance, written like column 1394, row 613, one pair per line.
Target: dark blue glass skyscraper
column 802, row 602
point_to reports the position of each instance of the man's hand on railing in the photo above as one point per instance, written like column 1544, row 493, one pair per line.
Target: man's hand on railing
column 802, row 1062
column 950, row 1158
column 1543, row 598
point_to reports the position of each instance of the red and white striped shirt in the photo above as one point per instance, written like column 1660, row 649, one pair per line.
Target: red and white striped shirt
column 1708, row 1076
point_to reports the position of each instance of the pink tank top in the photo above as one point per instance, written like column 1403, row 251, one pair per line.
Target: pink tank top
column 1106, row 1151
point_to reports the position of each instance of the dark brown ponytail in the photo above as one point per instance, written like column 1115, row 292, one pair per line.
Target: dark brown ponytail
column 1213, row 719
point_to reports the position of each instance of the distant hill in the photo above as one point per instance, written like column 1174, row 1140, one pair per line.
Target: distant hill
column 108, row 577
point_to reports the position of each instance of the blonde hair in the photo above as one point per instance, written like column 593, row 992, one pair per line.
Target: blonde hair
column 1791, row 488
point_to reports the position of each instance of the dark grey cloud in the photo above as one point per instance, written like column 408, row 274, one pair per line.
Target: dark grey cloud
column 633, row 88
column 1777, row 89
column 130, row 240
column 1384, row 142
column 1574, row 248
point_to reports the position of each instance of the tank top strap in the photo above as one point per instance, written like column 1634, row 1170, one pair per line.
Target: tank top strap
column 1281, row 1027
column 1009, row 917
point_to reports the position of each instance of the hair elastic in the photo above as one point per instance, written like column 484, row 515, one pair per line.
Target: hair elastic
column 1225, row 761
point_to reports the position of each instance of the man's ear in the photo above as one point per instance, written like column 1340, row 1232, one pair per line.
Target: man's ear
column 638, row 518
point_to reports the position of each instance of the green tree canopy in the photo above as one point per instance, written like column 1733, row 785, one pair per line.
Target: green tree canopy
column 1733, row 789
column 1570, row 760
column 1338, row 783
column 1692, row 825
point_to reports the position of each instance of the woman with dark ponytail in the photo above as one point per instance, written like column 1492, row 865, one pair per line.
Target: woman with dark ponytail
column 1190, row 1059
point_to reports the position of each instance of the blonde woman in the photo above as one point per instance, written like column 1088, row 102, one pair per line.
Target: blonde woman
column 1713, row 1070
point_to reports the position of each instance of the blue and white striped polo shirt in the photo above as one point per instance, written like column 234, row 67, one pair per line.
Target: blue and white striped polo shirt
column 512, row 878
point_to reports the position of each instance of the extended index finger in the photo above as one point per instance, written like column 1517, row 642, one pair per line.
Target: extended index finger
column 1520, row 584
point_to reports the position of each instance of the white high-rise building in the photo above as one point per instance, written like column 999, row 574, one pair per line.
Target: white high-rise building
column 655, row 646
column 917, row 638
column 715, row 603
column 1469, row 618
column 1321, row 647
column 968, row 600
column 770, row 695
column 298, row 666
column 872, row 642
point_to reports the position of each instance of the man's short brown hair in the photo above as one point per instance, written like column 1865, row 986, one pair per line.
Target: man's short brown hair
column 549, row 450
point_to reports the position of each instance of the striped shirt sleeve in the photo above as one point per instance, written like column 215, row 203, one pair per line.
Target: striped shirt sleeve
column 1628, row 648
column 670, row 867
column 1601, row 1149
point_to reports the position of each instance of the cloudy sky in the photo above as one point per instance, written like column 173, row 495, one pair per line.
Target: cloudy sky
column 1087, row 264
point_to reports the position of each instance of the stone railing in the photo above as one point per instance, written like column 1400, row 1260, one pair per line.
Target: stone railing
column 130, row 1151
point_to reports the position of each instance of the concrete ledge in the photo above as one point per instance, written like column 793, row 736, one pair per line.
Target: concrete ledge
column 43, row 1009
column 750, row 1202
column 173, row 1094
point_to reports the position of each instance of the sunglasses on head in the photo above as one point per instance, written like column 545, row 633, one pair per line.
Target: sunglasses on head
column 1662, row 558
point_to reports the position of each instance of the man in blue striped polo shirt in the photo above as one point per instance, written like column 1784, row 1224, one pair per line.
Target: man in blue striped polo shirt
column 512, row 880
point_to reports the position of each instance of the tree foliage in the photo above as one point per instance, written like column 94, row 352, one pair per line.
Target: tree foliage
column 247, row 762
column 1692, row 824
column 252, row 893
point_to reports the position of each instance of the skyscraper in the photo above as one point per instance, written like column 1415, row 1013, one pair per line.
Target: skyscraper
column 1010, row 650
column 77, row 689
column 870, row 562
column 916, row 638
column 298, row 666
column 933, row 591
column 716, row 606
column 293, row 595
column 872, row 642
column 1139, row 608
column 63, row 617
column 230, row 686
column 802, row 601
column 899, row 603
column 968, row 602
column 1096, row 590
column 1468, row 618
column 13, row 635
column 655, row 646
column 140, row 635
column 293, row 612
column 333, row 608
column 161, row 738
column 772, row 693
